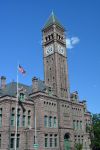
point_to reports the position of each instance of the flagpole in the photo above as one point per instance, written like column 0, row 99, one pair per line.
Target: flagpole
column 16, row 113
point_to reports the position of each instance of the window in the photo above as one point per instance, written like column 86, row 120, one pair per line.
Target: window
column 50, row 121
column 12, row 141
column 0, row 140
column 29, row 120
column 18, row 140
column 18, row 117
column 24, row 119
column 34, row 139
column 12, row 119
column 55, row 140
column 22, row 97
column 51, row 140
column 74, row 124
column 18, row 120
column 12, row 116
column 77, row 124
column 55, row 122
column 78, row 140
column 46, row 140
column 45, row 121
column 29, row 112
column 75, row 97
column 0, row 117
column 80, row 124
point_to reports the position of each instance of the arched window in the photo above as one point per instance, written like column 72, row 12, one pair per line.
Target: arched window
column 77, row 124
column 18, row 117
column 45, row 121
column 46, row 140
column 74, row 124
column 51, row 140
column 50, row 121
column 55, row 122
column 66, row 136
column 29, row 118
column 21, row 96
column 24, row 118
column 80, row 124
column 55, row 140
column 12, row 117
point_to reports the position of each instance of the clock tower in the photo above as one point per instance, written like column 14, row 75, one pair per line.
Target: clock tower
column 54, row 53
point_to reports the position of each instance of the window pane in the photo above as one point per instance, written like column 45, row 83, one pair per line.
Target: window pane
column 29, row 112
column 29, row 120
column 80, row 124
column 12, row 143
column 45, row 121
column 0, row 117
column 55, row 142
column 12, row 119
column 74, row 124
column 18, row 120
column 46, row 142
column 0, row 120
column 17, row 142
column 24, row 118
column 55, row 122
column 21, row 97
column 50, row 142
column 50, row 121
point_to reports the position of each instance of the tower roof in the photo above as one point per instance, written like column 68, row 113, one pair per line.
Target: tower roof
column 52, row 20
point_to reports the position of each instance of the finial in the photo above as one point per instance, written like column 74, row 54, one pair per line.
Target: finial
column 53, row 16
column 52, row 13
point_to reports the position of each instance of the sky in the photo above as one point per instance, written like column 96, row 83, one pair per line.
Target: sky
column 21, row 22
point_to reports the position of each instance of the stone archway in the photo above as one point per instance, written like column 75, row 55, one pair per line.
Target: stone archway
column 67, row 141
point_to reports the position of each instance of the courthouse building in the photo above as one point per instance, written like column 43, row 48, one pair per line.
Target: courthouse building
column 59, row 116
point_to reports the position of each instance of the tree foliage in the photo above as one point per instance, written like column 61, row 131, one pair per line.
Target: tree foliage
column 94, row 132
column 78, row 146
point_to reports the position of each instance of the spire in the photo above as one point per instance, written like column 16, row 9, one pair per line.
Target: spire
column 52, row 20
column 53, row 17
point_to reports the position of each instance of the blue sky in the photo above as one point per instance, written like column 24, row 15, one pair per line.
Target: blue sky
column 21, row 22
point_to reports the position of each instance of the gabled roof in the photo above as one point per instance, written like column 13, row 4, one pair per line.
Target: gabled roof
column 11, row 88
column 52, row 20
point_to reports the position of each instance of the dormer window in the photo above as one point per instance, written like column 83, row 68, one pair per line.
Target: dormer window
column 75, row 97
column 21, row 96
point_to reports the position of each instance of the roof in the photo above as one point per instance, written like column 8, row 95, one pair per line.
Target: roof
column 11, row 88
column 52, row 20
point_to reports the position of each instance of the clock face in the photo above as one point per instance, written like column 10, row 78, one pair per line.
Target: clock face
column 49, row 50
column 61, row 49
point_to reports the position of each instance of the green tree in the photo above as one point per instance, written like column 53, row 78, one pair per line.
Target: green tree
column 78, row 146
column 94, row 131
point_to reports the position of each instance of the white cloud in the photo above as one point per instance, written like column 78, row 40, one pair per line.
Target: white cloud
column 71, row 42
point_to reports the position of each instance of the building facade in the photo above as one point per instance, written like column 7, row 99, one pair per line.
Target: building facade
column 48, row 115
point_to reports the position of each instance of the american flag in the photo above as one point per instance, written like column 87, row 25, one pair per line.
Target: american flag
column 21, row 69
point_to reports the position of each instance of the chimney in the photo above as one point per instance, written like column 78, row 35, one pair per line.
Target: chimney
column 3, row 82
column 35, row 84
